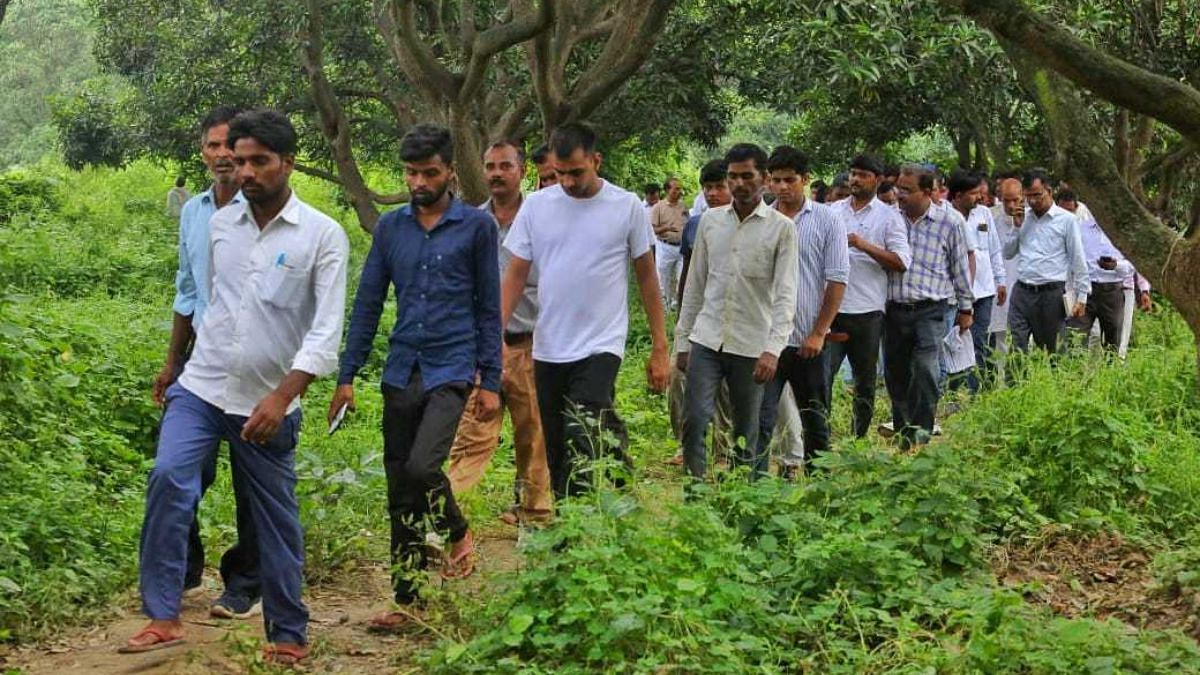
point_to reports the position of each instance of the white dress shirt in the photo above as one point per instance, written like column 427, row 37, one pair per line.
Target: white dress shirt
column 883, row 226
column 740, row 295
column 989, row 258
column 1048, row 248
column 278, row 300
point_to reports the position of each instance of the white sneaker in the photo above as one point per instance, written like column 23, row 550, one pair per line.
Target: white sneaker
column 887, row 429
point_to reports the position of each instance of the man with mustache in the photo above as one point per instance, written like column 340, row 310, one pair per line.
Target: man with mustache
column 504, row 167
column 273, row 325
column 441, row 256
column 668, row 217
column 239, row 565
column 581, row 236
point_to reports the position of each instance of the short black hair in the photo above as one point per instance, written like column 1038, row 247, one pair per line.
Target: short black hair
column 426, row 140
column 891, row 170
column 1028, row 178
column 818, row 184
column 841, row 180
column 180, row 182
column 540, row 153
column 714, row 171
column 653, row 188
column 504, row 143
column 747, row 151
column 570, row 137
column 962, row 181
column 667, row 182
column 222, row 114
column 866, row 162
column 923, row 173
column 788, row 157
column 885, row 187
column 1066, row 195
column 269, row 127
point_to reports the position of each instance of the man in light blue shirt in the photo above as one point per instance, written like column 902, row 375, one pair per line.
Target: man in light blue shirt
column 1050, row 262
column 239, row 565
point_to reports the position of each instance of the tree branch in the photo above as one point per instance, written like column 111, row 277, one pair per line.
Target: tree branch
column 397, row 24
column 520, row 28
column 386, row 199
column 1113, row 79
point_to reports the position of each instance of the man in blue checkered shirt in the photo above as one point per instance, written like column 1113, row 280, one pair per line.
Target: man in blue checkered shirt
column 914, row 321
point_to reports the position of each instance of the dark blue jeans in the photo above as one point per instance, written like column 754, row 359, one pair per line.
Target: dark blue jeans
column 192, row 430
column 706, row 370
column 985, row 364
column 864, row 332
column 912, row 334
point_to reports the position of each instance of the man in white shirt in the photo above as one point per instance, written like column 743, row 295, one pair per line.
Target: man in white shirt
column 1107, row 269
column 581, row 236
column 274, row 325
column 738, row 305
column 1050, row 261
column 824, row 266
column 878, row 243
column 1009, row 209
column 965, row 190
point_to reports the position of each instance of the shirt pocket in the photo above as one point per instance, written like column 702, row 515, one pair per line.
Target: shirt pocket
column 282, row 286
column 756, row 260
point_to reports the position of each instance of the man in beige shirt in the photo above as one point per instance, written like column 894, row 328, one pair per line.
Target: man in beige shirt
column 667, row 217
column 738, row 306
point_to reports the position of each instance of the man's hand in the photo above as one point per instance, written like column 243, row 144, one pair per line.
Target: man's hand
column 681, row 361
column 165, row 378
column 854, row 240
column 1079, row 310
column 658, row 370
column 1144, row 303
column 764, row 368
column 343, row 394
column 265, row 418
column 1001, row 295
column 487, row 405
column 964, row 321
column 505, row 377
column 813, row 344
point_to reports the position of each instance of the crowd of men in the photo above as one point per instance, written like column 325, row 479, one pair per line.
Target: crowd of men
column 522, row 304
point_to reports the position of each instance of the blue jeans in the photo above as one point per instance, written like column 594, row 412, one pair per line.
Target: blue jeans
column 912, row 334
column 192, row 429
column 984, row 363
column 706, row 370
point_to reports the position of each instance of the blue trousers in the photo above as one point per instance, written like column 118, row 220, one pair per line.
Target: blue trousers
column 191, row 432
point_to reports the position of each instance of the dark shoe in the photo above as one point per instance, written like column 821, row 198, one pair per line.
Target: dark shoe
column 790, row 473
column 234, row 606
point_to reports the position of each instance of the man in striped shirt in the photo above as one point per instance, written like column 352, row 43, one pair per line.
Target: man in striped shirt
column 914, row 320
column 824, row 263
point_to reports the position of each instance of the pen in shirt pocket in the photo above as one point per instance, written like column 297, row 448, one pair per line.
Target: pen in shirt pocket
column 281, row 261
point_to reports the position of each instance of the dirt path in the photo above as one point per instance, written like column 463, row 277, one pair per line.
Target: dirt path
column 338, row 612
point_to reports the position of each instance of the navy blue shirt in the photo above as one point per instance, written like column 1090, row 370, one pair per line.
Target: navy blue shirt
column 447, row 283
column 688, row 239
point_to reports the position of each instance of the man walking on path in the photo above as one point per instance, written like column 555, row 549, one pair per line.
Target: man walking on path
column 279, row 288
column 738, row 305
column 988, row 285
column 581, row 235
column 239, row 565
column 1050, row 260
column 914, row 322
column 878, row 244
column 824, row 266
column 441, row 257
column 504, row 168
column 1107, row 269
column 667, row 217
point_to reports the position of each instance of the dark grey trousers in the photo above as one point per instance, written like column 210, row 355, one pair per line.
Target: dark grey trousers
column 707, row 369
column 1037, row 312
column 1106, row 304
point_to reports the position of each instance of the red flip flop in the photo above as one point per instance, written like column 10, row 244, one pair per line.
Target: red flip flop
column 461, row 565
column 285, row 653
column 161, row 641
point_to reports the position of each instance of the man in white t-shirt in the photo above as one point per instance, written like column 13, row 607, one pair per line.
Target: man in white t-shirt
column 581, row 235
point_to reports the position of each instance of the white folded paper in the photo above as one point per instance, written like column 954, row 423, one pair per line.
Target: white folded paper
column 959, row 352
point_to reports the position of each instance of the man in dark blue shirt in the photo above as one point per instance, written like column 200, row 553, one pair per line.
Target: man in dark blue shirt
column 442, row 258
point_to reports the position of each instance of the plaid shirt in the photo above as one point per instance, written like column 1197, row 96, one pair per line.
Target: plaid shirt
column 939, row 261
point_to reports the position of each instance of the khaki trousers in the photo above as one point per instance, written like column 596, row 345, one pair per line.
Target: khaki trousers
column 476, row 441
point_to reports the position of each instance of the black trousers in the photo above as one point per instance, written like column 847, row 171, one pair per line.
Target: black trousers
column 1106, row 304
column 912, row 333
column 239, row 564
column 418, row 430
column 809, row 380
column 864, row 332
column 1037, row 312
column 579, row 420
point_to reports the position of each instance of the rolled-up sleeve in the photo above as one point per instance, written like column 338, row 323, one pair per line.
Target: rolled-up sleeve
column 318, row 353
column 896, row 239
column 837, row 250
column 186, row 290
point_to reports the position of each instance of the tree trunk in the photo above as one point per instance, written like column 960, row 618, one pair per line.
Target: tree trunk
column 468, row 153
column 962, row 147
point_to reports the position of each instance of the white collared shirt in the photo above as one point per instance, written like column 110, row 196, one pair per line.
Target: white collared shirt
column 278, row 299
column 883, row 226
column 740, row 295
column 989, row 259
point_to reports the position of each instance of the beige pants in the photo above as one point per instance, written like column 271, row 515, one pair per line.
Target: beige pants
column 476, row 441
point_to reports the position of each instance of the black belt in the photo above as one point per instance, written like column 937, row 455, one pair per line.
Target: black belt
column 1042, row 288
column 514, row 339
column 913, row 306
column 670, row 243
column 1108, row 285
